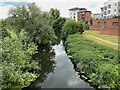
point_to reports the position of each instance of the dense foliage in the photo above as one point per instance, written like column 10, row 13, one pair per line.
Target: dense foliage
column 58, row 24
column 32, row 20
column 25, row 28
column 71, row 27
column 54, row 14
column 100, row 62
column 17, row 61
column 57, row 21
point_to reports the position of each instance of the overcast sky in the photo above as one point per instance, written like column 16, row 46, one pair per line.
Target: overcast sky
column 45, row 5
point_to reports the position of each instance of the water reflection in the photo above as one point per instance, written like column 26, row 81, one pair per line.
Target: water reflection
column 45, row 56
column 57, row 70
column 58, row 38
column 64, row 75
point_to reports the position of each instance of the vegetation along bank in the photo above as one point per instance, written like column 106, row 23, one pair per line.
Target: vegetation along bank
column 26, row 29
column 98, row 63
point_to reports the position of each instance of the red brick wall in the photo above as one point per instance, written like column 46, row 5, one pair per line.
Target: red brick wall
column 110, row 32
column 87, row 16
column 79, row 15
column 109, row 29
column 95, row 25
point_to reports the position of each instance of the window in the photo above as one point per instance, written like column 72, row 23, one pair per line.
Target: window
column 99, row 24
column 104, row 24
column 74, row 13
column 119, row 10
column 104, row 17
column 107, row 16
column 109, row 6
column 108, row 11
column 104, row 12
column 102, row 9
column 105, row 7
column 115, row 23
column 74, row 17
column 115, row 10
column 115, row 4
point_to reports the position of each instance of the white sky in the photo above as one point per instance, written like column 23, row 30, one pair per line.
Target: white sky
column 62, row 5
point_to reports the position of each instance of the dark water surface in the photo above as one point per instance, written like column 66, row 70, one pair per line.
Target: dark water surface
column 57, row 71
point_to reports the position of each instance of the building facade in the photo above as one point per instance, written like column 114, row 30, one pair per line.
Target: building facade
column 110, row 9
column 80, row 14
column 73, row 13
column 96, row 16
column 110, row 26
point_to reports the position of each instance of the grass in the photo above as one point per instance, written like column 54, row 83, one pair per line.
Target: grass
column 100, row 62
column 111, row 38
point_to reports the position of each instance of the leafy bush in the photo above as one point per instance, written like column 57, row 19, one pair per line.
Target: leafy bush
column 100, row 62
column 71, row 27
column 81, row 25
column 17, row 60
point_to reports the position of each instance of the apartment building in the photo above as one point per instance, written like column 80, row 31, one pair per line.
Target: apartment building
column 110, row 9
column 96, row 16
column 80, row 14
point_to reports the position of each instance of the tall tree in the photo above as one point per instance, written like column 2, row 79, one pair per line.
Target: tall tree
column 34, row 21
column 54, row 13
column 58, row 24
column 57, row 21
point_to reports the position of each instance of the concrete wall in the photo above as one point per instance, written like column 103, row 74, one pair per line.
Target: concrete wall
column 107, row 26
column 73, row 14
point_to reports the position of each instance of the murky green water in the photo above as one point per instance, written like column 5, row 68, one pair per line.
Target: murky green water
column 57, row 70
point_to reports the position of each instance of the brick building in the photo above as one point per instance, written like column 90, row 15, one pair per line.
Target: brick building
column 80, row 14
column 85, row 16
column 109, row 26
column 96, row 16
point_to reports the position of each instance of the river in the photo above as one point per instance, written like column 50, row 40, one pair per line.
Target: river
column 57, row 71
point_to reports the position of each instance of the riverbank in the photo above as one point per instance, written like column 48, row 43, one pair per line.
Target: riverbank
column 57, row 70
column 97, row 64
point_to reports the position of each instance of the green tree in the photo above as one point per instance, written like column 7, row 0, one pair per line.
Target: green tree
column 54, row 13
column 81, row 26
column 71, row 27
column 3, row 29
column 34, row 21
column 58, row 24
column 17, row 61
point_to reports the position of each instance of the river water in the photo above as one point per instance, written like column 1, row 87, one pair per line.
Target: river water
column 57, row 71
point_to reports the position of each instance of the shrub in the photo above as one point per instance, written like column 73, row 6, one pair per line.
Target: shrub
column 17, row 61
column 71, row 27
column 100, row 62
